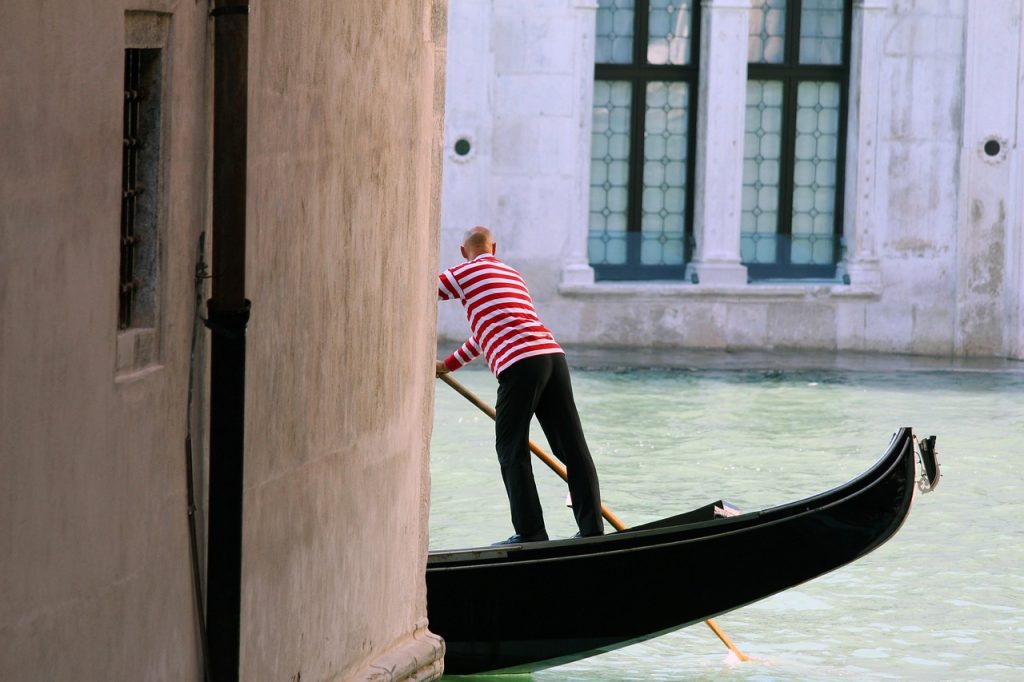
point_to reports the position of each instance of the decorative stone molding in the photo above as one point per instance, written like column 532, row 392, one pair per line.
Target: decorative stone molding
column 576, row 274
column 417, row 658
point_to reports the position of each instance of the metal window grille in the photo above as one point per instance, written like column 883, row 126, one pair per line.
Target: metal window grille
column 644, row 138
column 798, row 80
column 130, row 186
column 140, row 188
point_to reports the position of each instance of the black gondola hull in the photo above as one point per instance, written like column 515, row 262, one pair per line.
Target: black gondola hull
column 528, row 607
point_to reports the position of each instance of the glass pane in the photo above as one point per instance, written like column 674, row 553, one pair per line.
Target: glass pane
column 814, row 173
column 821, row 32
column 614, row 40
column 609, row 172
column 670, row 32
column 664, row 194
column 766, row 44
column 762, row 146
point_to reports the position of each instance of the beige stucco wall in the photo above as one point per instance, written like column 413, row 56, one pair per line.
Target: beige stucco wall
column 94, row 563
column 344, row 146
column 346, row 107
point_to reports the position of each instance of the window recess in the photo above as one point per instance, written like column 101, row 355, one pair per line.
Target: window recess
column 140, row 182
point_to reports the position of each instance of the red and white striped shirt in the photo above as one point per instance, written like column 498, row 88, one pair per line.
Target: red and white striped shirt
column 501, row 317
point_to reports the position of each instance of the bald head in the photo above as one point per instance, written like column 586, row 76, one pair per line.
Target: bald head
column 478, row 240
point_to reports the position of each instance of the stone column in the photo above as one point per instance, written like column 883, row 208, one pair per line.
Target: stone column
column 860, row 264
column 576, row 268
column 720, row 129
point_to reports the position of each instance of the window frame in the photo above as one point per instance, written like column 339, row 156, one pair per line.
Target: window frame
column 639, row 73
column 140, row 328
column 791, row 73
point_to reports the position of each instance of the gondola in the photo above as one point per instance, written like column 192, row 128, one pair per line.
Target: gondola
column 521, row 608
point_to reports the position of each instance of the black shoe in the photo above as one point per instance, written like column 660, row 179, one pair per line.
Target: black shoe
column 591, row 535
column 539, row 536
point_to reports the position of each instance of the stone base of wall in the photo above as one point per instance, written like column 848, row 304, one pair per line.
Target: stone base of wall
column 417, row 658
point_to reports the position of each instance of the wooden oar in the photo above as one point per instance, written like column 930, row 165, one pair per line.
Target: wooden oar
column 557, row 467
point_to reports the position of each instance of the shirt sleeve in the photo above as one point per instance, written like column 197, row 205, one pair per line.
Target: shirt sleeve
column 463, row 355
column 447, row 286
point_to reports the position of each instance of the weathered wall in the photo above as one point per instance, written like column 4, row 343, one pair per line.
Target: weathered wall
column 929, row 273
column 468, row 116
column 920, row 112
column 94, row 561
column 990, row 182
column 345, row 103
column 346, row 107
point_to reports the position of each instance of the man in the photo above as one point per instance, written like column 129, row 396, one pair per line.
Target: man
column 533, row 378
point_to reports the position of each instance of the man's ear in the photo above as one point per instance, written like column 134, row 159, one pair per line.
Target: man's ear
column 463, row 250
column 494, row 248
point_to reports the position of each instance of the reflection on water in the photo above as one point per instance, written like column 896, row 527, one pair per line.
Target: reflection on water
column 943, row 600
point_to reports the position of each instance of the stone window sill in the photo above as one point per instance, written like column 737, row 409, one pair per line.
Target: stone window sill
column 137, row 353
column 774, row 290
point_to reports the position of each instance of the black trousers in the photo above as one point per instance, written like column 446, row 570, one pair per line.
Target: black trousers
column 540, row 385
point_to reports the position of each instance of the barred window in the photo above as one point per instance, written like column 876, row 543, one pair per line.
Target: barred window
column 798, row 54
column 140, row 181
column 644, row 134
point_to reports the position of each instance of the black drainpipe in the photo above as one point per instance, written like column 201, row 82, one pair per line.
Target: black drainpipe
column 228, row 315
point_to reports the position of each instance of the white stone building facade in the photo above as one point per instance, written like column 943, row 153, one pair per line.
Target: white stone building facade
column 826, row 174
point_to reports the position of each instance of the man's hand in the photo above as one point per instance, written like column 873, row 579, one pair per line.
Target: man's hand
column 440, row 368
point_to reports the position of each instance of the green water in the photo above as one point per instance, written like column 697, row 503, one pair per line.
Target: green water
column 942, row 600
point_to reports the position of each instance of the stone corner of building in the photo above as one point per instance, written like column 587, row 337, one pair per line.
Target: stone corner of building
column 418, row 657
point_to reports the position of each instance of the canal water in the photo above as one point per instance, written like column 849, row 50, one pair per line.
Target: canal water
column 942, row 600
